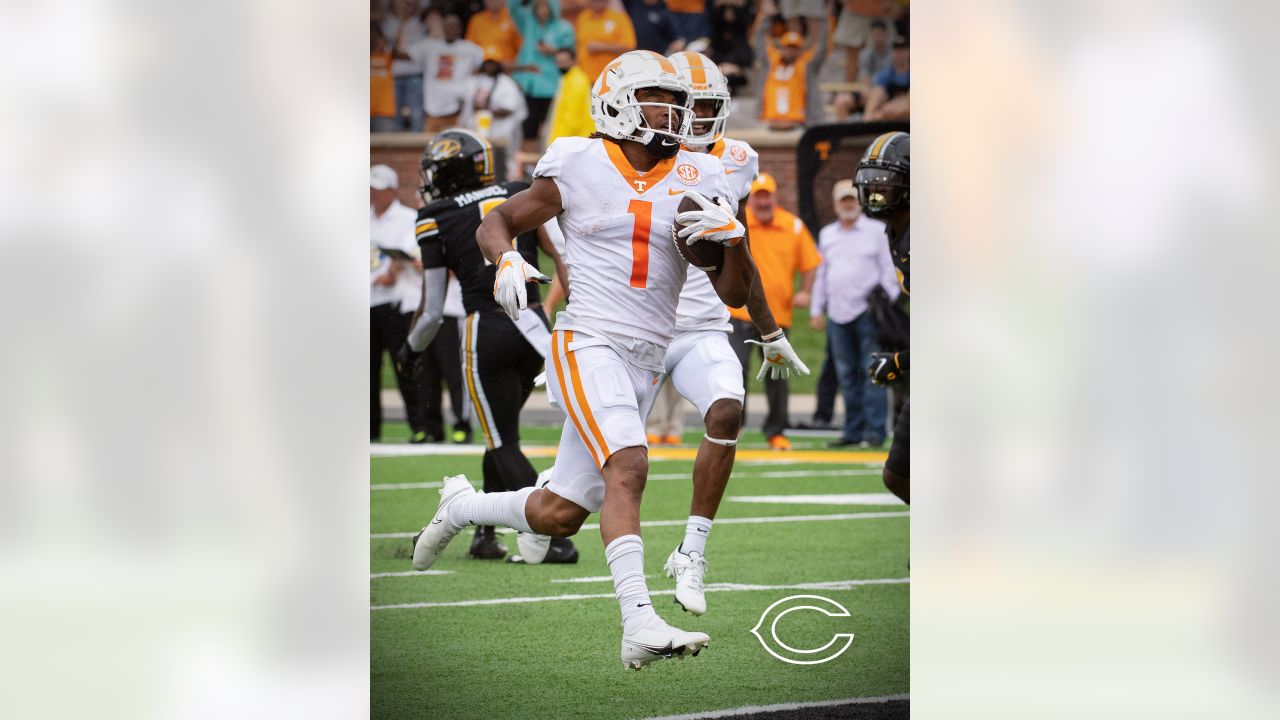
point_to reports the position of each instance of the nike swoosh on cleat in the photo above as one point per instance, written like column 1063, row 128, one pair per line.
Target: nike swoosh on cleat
column 437, row 521
column 665, row 650
column 643, row 604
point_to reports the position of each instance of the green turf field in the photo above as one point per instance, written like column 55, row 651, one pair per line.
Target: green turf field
column 559, row 658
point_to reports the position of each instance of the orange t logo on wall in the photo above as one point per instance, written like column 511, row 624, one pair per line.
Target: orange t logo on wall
column 688, row 174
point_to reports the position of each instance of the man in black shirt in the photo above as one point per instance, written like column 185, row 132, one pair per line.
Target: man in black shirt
column 500, row 357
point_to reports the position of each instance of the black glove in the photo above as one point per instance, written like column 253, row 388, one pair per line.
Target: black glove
column 407, row 361
column 887, row 368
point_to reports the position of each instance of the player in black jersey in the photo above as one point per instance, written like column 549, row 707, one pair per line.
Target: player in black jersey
column 884, row 188
column 500, row 357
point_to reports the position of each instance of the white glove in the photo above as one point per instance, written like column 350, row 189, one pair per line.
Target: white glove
column 509, row 285
column 714, row 222
column 779, row 359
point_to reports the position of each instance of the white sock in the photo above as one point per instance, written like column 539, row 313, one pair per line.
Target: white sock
column 625, row 556
column 695, row 535
column 504, row 508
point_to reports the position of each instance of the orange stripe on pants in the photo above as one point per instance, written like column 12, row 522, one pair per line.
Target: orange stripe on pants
column 582, row 397
column 557, row 341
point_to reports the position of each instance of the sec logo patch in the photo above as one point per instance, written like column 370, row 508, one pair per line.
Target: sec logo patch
column 738, row 154
column 688, row 174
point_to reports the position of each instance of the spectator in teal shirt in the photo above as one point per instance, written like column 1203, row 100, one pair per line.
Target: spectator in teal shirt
column 544, row 32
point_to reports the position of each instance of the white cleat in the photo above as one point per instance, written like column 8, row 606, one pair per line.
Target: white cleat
column 688, row 570
column 435, row 536
column 657, row 640
column 534, row 547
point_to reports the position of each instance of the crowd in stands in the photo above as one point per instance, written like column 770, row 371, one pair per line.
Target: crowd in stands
column 521, row 71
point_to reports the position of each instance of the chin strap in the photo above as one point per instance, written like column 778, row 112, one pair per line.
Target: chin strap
column 718, row 441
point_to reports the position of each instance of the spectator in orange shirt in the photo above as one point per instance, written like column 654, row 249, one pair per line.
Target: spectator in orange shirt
column 495, row 32
column 782, row 248
column 603, row 34
column 382, row 89
column 790, row 76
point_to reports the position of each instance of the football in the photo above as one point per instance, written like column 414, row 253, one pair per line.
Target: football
column 704, row 255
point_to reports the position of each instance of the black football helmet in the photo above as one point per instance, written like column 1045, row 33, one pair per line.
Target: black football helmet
column 884, row 175
column 456, row 160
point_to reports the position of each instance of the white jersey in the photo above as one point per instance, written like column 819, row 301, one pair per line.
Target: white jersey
column 625, row 275
column 700, row 307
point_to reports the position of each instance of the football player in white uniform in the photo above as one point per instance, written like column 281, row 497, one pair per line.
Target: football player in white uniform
column 616, row 196
column 700, row 361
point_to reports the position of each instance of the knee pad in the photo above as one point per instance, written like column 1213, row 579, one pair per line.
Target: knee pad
column 718, row 441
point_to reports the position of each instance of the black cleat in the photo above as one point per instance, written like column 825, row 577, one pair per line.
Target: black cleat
column 484, row 546
column 562, row 551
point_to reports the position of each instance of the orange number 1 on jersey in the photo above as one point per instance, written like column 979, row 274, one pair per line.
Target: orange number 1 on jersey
column 643, row 211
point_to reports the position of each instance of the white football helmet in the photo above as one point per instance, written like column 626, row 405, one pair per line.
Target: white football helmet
column 619, row 115
column 708, row 83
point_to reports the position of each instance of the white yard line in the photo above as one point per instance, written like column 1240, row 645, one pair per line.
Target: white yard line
column 710, row 587
column 845, row 499
column 719, row 521
column 409, row 573
column 409, row 450
column 857, row 472
column 753, row 709
column 594, row 579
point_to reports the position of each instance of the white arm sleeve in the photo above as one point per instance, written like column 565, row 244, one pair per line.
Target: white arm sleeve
column 435, row 282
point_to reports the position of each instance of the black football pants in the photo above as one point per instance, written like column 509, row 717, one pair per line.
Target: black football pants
column 499, row 365
column 441, row 361
column 386, row 335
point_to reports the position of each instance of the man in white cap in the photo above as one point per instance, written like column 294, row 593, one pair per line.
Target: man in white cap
column 855, row 260
column 390, row 236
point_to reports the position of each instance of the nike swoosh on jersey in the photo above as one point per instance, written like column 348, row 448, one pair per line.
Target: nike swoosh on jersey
column 729, row 172
column 674, row 192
